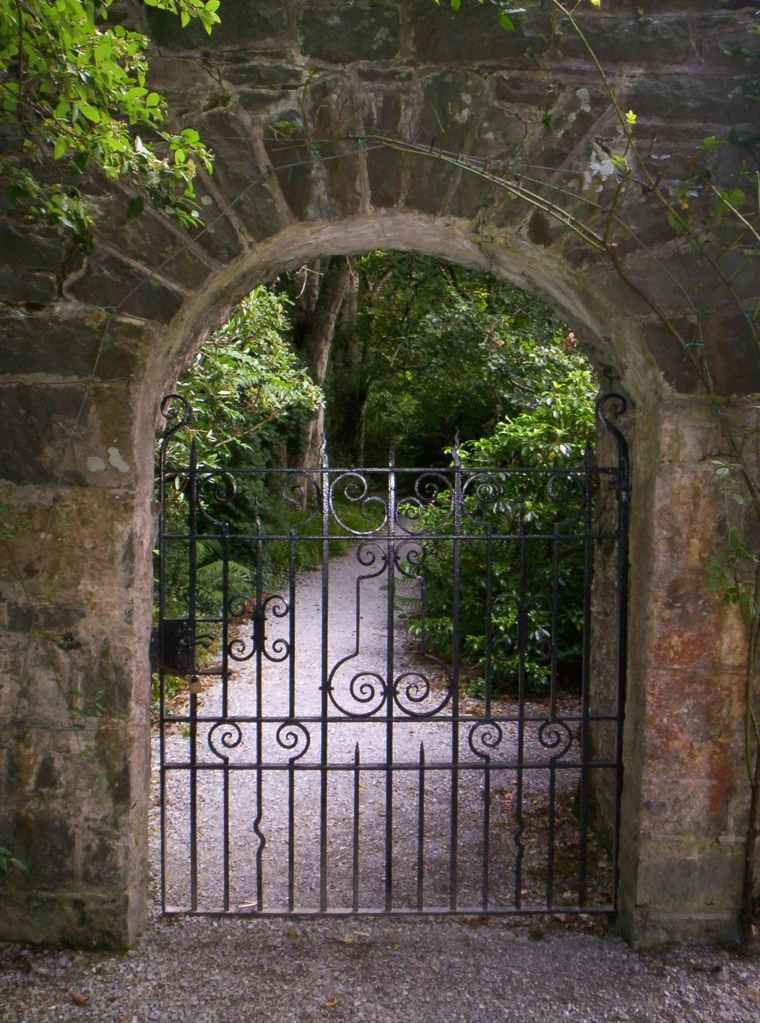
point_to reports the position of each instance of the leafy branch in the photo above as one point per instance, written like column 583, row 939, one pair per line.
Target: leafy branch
column 73, row 85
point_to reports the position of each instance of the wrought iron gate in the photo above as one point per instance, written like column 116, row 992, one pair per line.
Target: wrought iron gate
column 326, row 761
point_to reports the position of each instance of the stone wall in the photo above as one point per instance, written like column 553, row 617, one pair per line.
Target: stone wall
column 89, row 342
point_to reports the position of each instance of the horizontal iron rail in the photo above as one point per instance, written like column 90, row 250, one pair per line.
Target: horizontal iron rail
column 384, row 766
column 411, row 719
column 379, row 535
column 441, row 911
column 464, row 472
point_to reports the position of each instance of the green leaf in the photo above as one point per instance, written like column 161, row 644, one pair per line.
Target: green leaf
column 710, row 143
column 90, row 112
column 506, row 22
column 103, row 52
column 61, row 145
column 153, row 100
column 455, row 5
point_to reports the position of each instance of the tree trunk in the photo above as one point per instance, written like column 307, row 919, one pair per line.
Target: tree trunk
column 315, row 330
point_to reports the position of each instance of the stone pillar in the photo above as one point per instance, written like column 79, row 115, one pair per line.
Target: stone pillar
column 75, row 473
column 685, row 794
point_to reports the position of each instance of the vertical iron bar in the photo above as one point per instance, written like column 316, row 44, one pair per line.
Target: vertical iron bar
column 291, row 715
column 225, row 617
column 421, row 829
column 552, row 835
column 161, row 654
column 355, row 859
column 455, row 672
column 192, row 596
column 487, row 712
column 292, row 573
column 554, row 625
column 291, row 834
column 588, row 571
column 389, row 681
column 225, row 710
column 488, row 624
column 521, row 648
column 259, row 722
column 325, row 481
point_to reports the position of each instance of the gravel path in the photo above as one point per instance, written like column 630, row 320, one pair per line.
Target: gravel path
column 373, row 970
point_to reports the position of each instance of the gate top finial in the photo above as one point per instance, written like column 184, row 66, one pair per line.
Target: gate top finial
column 177, row 412
column 610, row 405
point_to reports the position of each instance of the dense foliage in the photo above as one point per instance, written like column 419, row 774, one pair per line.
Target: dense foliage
column 549, row 428
column 73, row 89
column 432, row 350
column 247, row 390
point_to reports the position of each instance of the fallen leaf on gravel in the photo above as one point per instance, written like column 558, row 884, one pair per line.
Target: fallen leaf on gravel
column 78, row 999
column 477, row 921
column 536, row 934
column 346, row 940
column 332, row 1004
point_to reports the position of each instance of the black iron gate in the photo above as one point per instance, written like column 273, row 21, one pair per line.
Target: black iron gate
column 324, row 756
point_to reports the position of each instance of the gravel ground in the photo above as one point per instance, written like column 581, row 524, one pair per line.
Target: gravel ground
column 241, row 971
column 361, row 969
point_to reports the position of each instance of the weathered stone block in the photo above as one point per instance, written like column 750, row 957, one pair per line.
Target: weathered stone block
column 449, row 119
column 70, row 433
column 474, row 34
column 657, row 39
column 240, row 174
column 112, row 282
column 68, row 340
column 254, row 25
column 341, row 33
column 36, row 289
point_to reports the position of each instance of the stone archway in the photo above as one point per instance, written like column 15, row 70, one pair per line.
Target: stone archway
column 89, row 345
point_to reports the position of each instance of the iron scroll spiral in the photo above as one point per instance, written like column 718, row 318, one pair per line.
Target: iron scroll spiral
column 416, row 688
column 291, row 735
column 488, row 734
column 174, row 407
column 280, row 648
column 230, row 736
column 611, row 406
column 555, row 736
column 365, row 687
column 354, row 487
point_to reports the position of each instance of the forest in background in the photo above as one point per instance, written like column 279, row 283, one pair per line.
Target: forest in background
column 394, row 352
